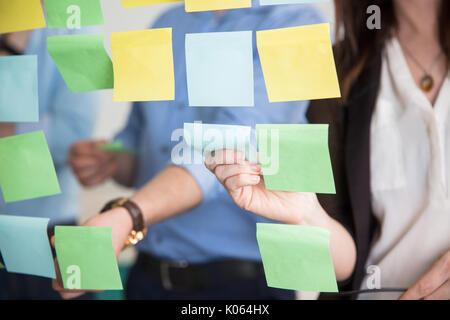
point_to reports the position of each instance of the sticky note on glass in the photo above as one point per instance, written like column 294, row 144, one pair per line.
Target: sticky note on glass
column 86, row 258
column 19, row 15
column 298, row 63
column 295, row 157
column 143, row 65
column 140, row 3
column 73, row 14
column 219, row 69
column 296, row 257
column 2, row 266
column 26, row 168
column 25, row 246
column 207, row 5
column 277, row 2
column 19, row 89
column 82, row 61
column 205, row 138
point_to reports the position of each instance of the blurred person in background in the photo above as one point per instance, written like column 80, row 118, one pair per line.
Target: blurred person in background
column 199, row 244
column 390, row 148
column 64, row 117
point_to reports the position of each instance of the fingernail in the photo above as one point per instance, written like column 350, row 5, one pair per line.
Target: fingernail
column 256, row 168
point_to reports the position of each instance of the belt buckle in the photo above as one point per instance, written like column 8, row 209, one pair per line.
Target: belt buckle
column 165, row 272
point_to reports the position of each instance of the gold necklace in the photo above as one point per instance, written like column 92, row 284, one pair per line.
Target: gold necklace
column 427, row 81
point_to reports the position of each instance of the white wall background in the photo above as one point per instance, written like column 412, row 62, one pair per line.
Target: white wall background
column 112, row 115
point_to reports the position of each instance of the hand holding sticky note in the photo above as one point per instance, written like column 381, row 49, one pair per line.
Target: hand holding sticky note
column 296, row 257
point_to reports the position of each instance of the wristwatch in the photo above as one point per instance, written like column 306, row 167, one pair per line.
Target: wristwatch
column 139, row 230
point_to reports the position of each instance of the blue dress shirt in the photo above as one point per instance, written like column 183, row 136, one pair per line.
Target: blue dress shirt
column 217, row 228
column 64, row 117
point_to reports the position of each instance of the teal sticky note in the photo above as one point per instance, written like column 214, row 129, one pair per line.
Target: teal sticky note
column 295, row 157
column 25, row 246
column 278, row 2
column 296, row 257
column 82, row 61
column 219, row 68
column 26, row 168
column 86, row 258
column 73, row 14
column 205, row 138
column 19, row 89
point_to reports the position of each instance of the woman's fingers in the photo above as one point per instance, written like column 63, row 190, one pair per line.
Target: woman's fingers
column 241, row 180
column 221, row 157
column 224, row 172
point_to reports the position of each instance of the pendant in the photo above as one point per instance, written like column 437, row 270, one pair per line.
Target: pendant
column 427, row 83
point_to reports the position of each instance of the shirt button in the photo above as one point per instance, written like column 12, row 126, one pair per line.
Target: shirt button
column 164, row 149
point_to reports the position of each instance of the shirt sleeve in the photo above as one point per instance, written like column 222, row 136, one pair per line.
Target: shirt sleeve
column 263, row 112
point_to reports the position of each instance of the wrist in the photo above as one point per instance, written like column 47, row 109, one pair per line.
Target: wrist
column 312, row 212
column 122, row 219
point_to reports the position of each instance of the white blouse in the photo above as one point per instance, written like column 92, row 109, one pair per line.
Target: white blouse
column 410, row 176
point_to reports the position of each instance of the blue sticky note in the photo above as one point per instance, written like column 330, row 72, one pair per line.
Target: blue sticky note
column 219, row 69
column 205, row 138
column 19, row 89
column 25, row 246
column 277, row 2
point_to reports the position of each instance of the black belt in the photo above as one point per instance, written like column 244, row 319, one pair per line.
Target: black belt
column 183, row 276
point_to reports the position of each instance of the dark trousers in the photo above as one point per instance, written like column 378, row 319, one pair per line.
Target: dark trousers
column 140, row 286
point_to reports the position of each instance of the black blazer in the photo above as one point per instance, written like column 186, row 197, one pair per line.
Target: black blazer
column 349, row 142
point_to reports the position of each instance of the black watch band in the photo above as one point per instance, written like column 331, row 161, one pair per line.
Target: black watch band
column 132, row 208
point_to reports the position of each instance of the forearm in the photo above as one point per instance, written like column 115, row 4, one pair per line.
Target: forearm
column 173, row 191
column 342, row 246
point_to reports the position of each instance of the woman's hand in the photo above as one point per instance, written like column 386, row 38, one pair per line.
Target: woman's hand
column 244, row 183
column 121, row 223
column 434, row 285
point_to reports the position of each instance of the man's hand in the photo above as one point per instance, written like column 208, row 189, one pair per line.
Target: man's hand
column 121, row 223
column 434, row 285
column 90, row 164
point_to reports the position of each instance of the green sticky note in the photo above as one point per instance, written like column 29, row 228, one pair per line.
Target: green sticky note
column 115, row 146
column 2, row 266
column 295, row 157
column 82, row 61
column 73, row 14
column 26, row 167
column 296, row 257
column 86, row 258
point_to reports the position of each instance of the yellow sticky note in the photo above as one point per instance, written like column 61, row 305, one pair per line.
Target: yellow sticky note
column 143, row 65
column 206, row 5
column 298, row 63
column 140, row 3
column 19, row 15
